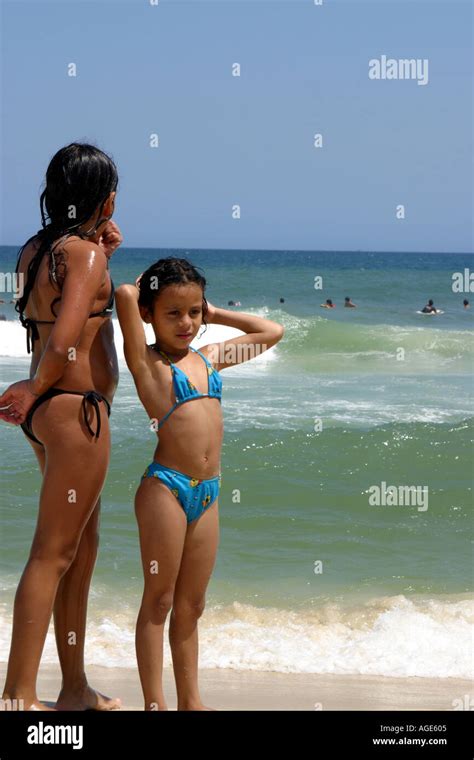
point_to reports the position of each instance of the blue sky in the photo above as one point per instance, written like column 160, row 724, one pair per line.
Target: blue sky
column 248, row 140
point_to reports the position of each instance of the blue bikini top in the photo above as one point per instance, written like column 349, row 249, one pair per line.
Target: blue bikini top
column 185, row 390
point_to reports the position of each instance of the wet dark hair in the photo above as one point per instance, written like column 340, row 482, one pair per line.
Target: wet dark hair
column 169, row 271
column 430, row 302
column 465, row 302
column 328, row 300
column 79, row 178
column 347, row 298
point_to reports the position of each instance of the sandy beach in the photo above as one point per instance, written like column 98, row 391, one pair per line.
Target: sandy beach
column 253, row 690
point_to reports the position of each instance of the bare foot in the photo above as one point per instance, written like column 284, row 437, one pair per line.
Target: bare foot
column 86, row 699
column 197, row 707
column 36, row 705
column 17, row 704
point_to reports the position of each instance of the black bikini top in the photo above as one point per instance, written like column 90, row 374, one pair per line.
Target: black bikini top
column 30, row 324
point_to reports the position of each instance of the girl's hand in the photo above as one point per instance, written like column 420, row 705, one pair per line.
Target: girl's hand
column 16, row 402
column 110, row 239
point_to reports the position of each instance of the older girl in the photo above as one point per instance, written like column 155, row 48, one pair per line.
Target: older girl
column 63, row 409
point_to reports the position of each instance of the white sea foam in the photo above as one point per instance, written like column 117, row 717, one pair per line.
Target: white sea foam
column 13, row 340
column 390, row 636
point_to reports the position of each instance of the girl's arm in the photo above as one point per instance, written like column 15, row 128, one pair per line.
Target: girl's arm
column 131, row 324
column 261, row 334
column 86, row 269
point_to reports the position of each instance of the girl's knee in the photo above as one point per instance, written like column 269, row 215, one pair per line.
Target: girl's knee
column 158, row 604
column 59, row 556
column 189, row 609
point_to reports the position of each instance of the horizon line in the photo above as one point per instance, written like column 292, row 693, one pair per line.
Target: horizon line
column 273, row 250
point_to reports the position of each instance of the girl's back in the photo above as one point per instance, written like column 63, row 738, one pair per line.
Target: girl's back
column 95, row 360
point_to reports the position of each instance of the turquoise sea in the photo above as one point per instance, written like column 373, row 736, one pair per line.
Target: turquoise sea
column 310, row 576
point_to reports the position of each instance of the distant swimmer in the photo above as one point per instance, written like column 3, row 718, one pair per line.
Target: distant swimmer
column 429, row 308
column 234, row 303
column 328, row 305
column 349, row 304
column 466, row 304
column 282, row 300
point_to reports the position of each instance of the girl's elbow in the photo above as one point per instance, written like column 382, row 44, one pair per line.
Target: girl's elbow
column 279, row 331
column 126, row 291
column 275, row 336
column 60, row 350
column 121, row 291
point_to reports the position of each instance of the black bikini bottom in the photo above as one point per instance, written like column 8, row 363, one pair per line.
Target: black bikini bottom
column 91, row 397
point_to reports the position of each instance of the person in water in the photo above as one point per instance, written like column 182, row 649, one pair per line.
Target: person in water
column 429, row 308
column 466, row 303
column 176, row 503
column 349, row 304
column 66, row 308
column 328, row 305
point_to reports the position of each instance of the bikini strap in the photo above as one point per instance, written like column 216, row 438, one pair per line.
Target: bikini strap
column 172, row 366
column 89, row 397
column 206, row 360
column 192, row 349
column 163, row 354
column 32, row 333
column 109, row 307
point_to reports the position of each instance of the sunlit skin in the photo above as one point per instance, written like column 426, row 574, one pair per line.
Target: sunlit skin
column 178, row 310
column 190, row 441
column 57, row 576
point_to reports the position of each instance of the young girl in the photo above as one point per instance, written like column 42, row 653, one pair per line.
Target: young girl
column 176, row 503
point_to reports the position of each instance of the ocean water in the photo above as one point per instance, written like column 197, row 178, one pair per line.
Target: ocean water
column 310, row 576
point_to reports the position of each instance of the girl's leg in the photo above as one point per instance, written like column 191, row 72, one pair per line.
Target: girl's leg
column 70, row 614
column 70, row 611
column 199, row 555
column 162, row 526
column 66, row 502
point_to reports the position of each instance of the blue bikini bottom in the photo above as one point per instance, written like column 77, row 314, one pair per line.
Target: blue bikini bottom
column 194, row 495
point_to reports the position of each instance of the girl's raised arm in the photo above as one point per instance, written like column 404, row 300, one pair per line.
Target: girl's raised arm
column 261, row 334
column 131, row 324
